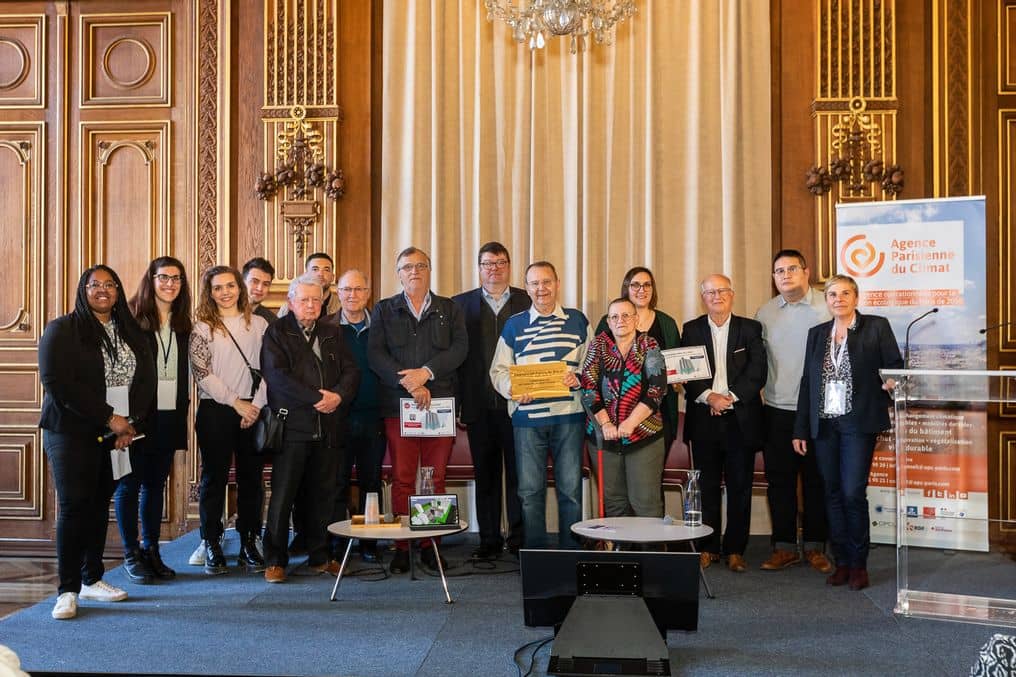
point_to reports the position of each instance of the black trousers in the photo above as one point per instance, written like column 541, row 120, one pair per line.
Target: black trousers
column 221, row 439
column 729, row 458
column 364, row 447
column 311, row 464
column 783, row 467
column 492, row 444
column 83, row 476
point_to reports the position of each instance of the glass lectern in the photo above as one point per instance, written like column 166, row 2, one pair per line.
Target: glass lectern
column 946, row 567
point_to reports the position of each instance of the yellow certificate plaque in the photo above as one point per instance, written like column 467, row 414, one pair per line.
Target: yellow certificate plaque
column 544, row 379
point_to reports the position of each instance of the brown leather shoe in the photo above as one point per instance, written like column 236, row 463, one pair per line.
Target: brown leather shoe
column 858, row 578
column 839, row 577
column 329, row 567
column 781, row 559
column 818, row 561
column 707, row 558
column 275, row 574
column 737, row 564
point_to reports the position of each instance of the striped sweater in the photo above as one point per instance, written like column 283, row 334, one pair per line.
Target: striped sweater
column 530, row 338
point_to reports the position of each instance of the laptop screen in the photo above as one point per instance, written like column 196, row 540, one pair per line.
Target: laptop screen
column 433, row 511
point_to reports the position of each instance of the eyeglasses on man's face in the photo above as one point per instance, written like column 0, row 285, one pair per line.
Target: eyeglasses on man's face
column 162, row 278
column 410, row 267
column 639, row 286
column 713, row 293
column 108, row 285
column 789, row 270
column 352, row 290
column 491, row 265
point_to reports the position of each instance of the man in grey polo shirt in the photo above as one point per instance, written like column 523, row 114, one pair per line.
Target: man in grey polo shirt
column 785, row 320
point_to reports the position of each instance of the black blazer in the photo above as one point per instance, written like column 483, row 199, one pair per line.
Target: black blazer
column 177, row 430
column 294, row 376
column 871, row 346
column 746, row 374
column 72, row 373
column 476, row 393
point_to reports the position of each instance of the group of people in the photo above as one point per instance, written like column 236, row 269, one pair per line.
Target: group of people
column 115, row 373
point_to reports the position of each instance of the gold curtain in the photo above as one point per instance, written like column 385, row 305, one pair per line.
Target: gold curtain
column 654, row 151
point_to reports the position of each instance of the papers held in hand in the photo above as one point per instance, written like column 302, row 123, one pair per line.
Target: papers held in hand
column 687, row 364
column 543, row 379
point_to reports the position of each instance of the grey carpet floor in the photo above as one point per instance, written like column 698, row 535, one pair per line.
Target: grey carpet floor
column 761, row 623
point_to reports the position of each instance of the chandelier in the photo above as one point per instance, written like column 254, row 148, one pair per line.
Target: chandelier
column 533, row 21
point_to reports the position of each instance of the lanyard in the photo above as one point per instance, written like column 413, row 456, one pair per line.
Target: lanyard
column 837, row 357
column 164, row 347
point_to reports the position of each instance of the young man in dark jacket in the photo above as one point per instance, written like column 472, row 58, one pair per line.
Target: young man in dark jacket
column 311, row 373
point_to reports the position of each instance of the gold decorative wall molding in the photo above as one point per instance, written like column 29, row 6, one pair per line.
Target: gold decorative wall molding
column 855, row 113
column 1006, row 221
column 22, row 61
column 207, row 142
column 22, row 153
column 954, row 109
column 300, row 90
column 126, row 60
column 22, row 388
column 21, row 473
column 1006, row 57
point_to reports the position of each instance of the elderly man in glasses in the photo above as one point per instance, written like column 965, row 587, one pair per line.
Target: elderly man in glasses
column 723, row 419
column 417, row 342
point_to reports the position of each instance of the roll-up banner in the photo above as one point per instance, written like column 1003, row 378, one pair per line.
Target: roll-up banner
column 910, row 256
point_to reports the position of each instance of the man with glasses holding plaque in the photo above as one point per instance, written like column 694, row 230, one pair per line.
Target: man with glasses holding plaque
column 723, row 419
column 552, row 419
column 483, row 410
column 417, row 342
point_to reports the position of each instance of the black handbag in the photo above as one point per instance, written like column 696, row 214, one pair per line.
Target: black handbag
column 269, row 430
column 255, row 374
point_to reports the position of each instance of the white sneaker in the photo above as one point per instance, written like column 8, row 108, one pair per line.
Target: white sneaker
column 101, row 591
column 197, row 558
column 66, row 606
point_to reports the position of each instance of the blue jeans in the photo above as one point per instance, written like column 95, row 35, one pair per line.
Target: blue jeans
column 563, row 442
column 143, row 488
column 844, row 460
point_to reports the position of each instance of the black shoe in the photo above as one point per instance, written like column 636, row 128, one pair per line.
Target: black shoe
column 249, row 556
column 156, row 564
column 136, row 567
column 298, row 546
column 215, row 561
column 429, row 559
column 400, row 562
column 490, row 551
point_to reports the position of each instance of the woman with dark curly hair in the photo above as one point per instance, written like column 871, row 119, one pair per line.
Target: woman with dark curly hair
column 225, row 357
column 161, row 306
column 99, row 378
column 624, row 378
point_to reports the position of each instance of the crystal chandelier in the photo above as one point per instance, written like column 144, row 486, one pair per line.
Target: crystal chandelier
column 533, row 21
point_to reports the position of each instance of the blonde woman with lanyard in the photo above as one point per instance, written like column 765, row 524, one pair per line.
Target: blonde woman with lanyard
column 225, row 350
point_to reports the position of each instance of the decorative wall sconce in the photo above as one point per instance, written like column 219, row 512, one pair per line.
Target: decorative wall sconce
column 300, row 172
column 855, row 146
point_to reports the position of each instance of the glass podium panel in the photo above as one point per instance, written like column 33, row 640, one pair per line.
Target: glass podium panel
column 946, row 565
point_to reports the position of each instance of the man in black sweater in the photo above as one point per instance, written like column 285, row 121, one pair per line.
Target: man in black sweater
column 484, row 411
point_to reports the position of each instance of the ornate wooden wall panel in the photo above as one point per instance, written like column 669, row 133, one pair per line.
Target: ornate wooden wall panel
column 22, row 60
column 315, row 67
column 97, row 139
column 125, row 194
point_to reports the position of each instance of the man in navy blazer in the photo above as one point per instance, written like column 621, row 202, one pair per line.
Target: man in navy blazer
column 484, row 412
column 723, row 418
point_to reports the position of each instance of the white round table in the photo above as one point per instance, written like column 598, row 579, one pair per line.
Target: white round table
column 346, row 530
column 644, row 530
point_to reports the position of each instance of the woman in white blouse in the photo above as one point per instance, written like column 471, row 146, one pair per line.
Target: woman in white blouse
column 225, row 349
